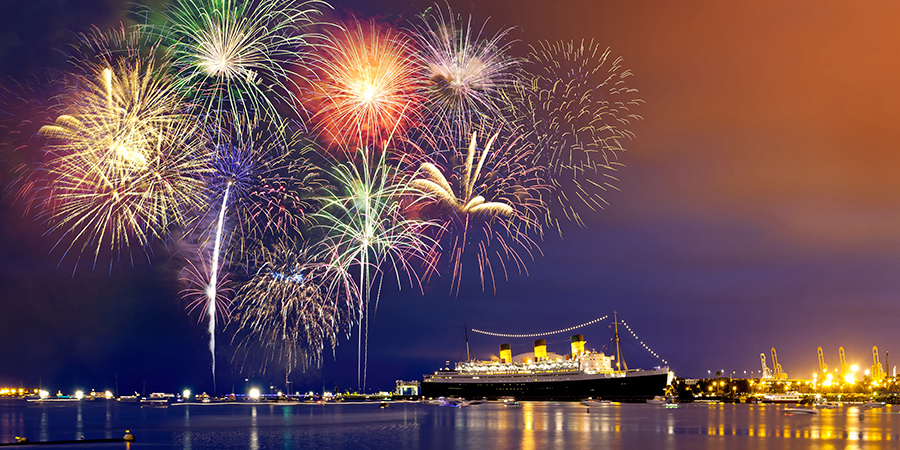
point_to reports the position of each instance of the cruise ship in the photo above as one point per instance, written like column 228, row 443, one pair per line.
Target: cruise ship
column 540, row 375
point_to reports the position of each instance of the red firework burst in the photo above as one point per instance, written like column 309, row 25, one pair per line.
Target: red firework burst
column 366, row 88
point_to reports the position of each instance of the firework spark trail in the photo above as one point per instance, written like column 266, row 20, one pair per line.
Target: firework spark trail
column 211, row 287
column 491, row 200
column 367, row 235
column 123, row 160
column 366, row 84
column 237, row 58
column 466, row 70
column 577, row 108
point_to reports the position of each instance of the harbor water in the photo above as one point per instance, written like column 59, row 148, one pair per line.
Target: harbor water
column 535, row 425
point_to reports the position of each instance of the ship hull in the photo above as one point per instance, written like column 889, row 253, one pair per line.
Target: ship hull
column 634, row 387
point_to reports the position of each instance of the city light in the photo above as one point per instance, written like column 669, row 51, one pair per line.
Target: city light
column 186, row 394
column 254, row 394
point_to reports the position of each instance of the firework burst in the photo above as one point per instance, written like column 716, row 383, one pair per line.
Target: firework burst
column 260, row 181
column 489, row 198
column 123, row 163
column 271, row 183
column 285, row 309
column 466, row 72
column 577, row 107
column 27, row 100
column 366, row 89
column 238, row 58
column 366, row 233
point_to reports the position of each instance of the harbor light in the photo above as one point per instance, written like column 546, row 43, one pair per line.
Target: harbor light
column 254, row 394
column 44, row 394
column 186, row 394
column 79, row 395
column 108, row 394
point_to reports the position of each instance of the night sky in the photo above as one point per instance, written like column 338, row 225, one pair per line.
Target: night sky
column 759, row 208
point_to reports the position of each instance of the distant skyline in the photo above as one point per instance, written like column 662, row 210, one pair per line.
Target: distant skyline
column 759, row 207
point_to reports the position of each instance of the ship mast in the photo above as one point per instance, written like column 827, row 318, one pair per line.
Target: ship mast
column 619, row 361
column 468, row 358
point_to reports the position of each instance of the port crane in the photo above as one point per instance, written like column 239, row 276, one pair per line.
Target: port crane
column 822, row 366
column 878, row 373
column 779, row 373
column 845, row 369
column 766, row 373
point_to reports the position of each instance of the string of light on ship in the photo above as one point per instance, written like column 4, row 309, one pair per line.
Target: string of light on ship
column 642, row 343
column 564, row 330
column 540, row 334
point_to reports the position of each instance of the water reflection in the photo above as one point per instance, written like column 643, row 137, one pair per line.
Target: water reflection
column 287, row 437
column 490, row 425
column 528, row 435
column 186, row 437
column 45, row 425
column 547, row 425
column 79, row 424
column 254, row 431
column 11, row 425
column 108, row 423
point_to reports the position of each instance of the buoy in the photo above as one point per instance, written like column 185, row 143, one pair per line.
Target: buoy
column 128, row 436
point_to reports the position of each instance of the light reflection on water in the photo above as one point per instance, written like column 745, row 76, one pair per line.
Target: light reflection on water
column 254, row 431
column 186, row 437
column 405, row 426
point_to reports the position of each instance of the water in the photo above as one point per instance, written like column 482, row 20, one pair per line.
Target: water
column 537, row 425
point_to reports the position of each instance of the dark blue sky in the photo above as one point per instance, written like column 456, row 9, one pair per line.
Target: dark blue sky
column 759, row 208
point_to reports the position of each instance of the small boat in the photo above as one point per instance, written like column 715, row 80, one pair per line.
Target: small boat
column 455, row 402
column 791, row 397
column 447, row 401
column 871, row 404
column 791, row 411
column 827, row 405
column 154, row 404
column 657, row 400
column 513, row 404
column 594, row 402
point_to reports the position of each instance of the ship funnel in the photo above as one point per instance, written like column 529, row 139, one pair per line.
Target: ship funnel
column 505, row 353
column 577, row 345
column 540, row 350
